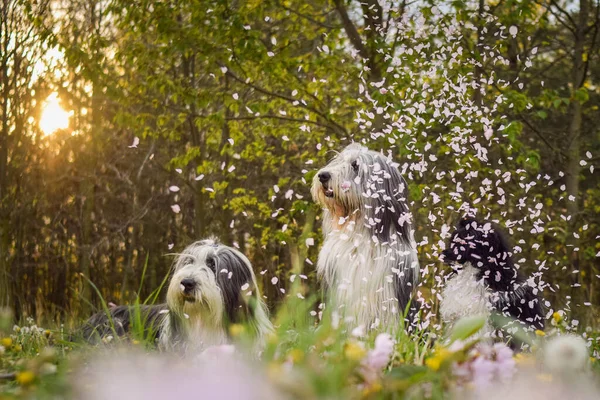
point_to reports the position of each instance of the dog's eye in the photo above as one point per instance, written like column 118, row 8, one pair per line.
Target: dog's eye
column 355, row 165
column 210, row 263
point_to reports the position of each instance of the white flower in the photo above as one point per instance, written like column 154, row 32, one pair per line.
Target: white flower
column 47, row 369
column 566, row 355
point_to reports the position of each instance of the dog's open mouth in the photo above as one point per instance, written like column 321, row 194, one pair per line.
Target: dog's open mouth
column 328, row 191
column 189, row 298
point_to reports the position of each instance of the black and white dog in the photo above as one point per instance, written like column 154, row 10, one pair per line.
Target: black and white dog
column 212, row 287
column 486, row 279
column 368, row 260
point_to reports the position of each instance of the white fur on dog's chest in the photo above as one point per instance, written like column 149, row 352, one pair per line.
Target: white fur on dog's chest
column 361, row 278
column 464, row 295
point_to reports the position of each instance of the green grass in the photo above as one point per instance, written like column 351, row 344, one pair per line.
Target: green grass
column 303, row 358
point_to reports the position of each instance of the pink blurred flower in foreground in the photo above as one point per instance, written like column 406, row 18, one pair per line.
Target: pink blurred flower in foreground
column 140, row 376
column 216, row 352
column 487, row 365
column 380, row 356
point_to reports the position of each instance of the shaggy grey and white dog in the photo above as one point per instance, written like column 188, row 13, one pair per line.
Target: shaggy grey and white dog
column 488, row 282
column 368, row 260
column 212, row 287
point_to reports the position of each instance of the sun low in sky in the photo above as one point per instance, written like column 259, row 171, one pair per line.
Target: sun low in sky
column 53, row 117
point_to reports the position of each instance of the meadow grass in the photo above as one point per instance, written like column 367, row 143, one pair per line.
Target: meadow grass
column 309, row 356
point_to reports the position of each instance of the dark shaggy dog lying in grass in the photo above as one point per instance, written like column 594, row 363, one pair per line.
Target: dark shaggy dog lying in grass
column 487, row 280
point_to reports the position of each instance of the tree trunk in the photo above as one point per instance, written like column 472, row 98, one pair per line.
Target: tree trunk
column 298, row 249
column 4, row 212
column 573, row 168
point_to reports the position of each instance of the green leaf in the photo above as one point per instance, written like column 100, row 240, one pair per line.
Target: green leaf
column 533, row 158
column 406, row 371
column 582, row 95
column 467, row 327
column 556, row 103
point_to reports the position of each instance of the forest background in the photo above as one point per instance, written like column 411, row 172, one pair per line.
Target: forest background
column 200, row 118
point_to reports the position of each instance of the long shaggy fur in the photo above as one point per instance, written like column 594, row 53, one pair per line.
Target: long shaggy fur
column 368, row 260
column 487, row 280
column 212, row 287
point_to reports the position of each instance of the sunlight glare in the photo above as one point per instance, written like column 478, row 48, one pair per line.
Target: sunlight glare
column 53, row 116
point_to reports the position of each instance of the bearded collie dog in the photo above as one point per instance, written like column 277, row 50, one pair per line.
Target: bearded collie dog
column 212, row 287
column 368, row 261
column 487, row 282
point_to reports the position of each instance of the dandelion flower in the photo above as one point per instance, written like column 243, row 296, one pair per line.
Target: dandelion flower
column 566, row 355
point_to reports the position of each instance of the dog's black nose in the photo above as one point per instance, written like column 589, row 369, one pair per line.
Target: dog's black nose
column 324, row 177
column 188, row 285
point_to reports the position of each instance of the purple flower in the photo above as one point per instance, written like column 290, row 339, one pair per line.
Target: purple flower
column 483, row 372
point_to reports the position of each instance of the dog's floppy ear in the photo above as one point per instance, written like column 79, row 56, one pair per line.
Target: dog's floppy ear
column 501, row 240
column 235, row 284
column 391, row 202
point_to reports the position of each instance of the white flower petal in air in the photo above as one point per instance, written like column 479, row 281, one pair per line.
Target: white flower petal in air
column 274, row 280
column 345, row 186
column 136, row 141
column 176, row 209
column 174, row 189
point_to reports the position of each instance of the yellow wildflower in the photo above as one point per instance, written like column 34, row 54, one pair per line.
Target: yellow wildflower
column 372, row 389
column 540, row 333
column 6, row 342
column 441, row 355
column 523, row 359
column 47, row 333
column 17, row 348
column 296, row 355
column 354, row 351
column 557, row 317
column 25, row 378
column 236, row 330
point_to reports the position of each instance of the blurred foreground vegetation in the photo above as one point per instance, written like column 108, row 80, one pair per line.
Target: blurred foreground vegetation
column 198, row 118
